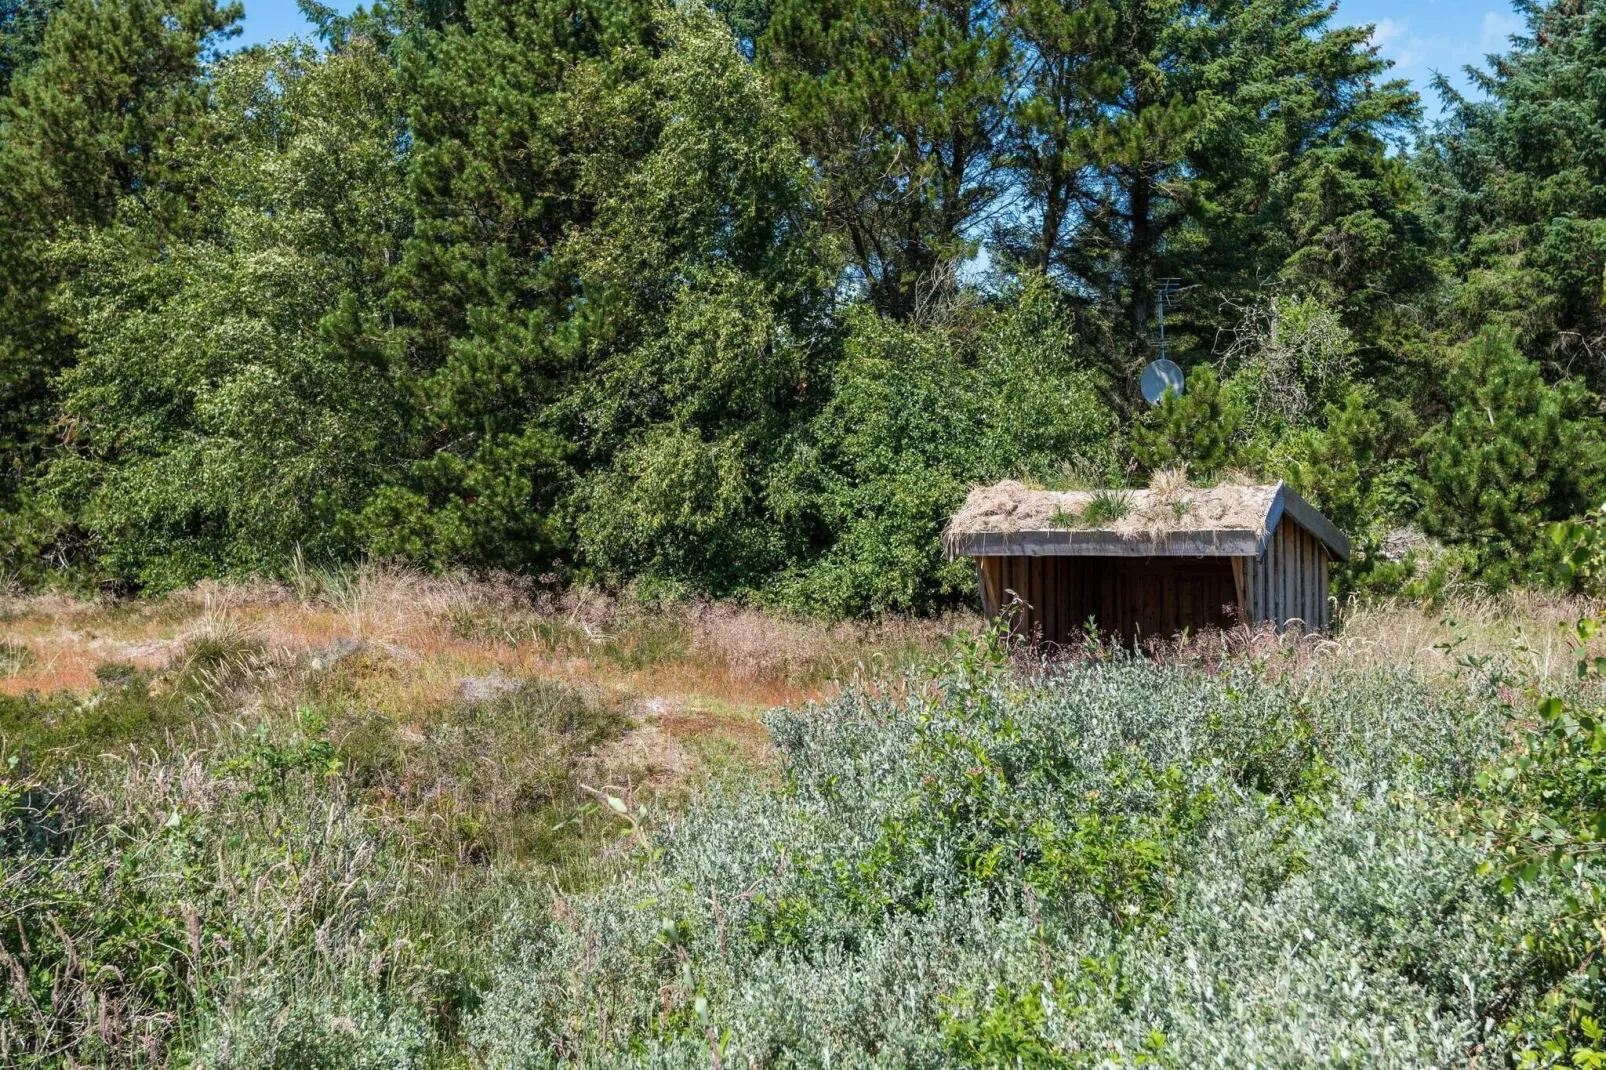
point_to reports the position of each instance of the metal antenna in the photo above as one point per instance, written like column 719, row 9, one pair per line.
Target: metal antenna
column 1166, row 288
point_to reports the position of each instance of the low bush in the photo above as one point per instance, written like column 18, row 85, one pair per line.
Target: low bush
column 1103, row 865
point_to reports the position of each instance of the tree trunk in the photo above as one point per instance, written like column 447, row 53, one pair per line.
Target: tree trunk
column 1140, row 253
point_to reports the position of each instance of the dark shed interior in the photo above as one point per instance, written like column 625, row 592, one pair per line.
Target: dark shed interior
column 1133, row 598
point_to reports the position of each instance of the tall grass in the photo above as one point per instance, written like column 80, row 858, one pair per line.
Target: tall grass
column 228, row 862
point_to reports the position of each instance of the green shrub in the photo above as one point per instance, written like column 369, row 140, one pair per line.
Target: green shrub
column 1114, row 864
column 915, row 417
column 1513, row 453
column 1199, row 429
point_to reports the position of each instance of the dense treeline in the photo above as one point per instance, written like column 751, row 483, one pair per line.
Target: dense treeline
column 738, row 299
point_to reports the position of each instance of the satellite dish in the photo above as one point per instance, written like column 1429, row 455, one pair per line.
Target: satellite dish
column 1161, row 375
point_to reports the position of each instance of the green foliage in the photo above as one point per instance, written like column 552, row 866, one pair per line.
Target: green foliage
column 916, row 416
column 735, row 300
column 1581, row 548
column 233, row 398
column 1355, row 469
column 1197, row 429
column 1109, row 862
column 1541, row 813
column 1513, row 453
column 708, row 351
column 22, row 31
column 1521, row 201
column 1106, row 506
column 305, row 885
column 100, row 101
column 491, row 321
column 1227, row 145
column 902, row 104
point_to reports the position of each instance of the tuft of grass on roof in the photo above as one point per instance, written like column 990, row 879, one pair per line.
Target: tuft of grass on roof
column 1106, row 506
column 1065, row 519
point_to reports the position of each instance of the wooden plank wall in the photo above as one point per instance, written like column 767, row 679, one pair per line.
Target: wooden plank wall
column 1288, row 583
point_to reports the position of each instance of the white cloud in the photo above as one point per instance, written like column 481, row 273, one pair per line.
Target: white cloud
column 1393, row 39
column 1498, row 27
column 1387, row 30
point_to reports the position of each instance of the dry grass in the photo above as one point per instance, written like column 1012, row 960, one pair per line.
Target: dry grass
column 1520, row 635
column 700, row 675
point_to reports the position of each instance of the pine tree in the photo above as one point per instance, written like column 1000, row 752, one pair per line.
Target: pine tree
column 22, row 31
column 1519, row 179
column 101, row 115
column 1225, row 144
column 900, row 104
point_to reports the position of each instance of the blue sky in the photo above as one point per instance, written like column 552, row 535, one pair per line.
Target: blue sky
column 1421, row 36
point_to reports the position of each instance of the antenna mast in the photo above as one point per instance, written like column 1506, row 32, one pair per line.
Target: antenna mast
column 1166, row 287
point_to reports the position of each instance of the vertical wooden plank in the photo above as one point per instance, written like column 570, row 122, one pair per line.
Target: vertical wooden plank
column 1167, row 599
column 1304, row 587
column 1074, row 593
column 1062, row 596
column 1050, row 595
column 1153, row 602
column 1312, row 599
column 1272, row 603
column 1045, row 594
column 1266, row 608
column 1279, row 585
column 1239, row 589
column 1246, row 610
column 1299, row 580
column 1029, row 610
column 1296, row 535
column 1285, row 574
column 1311, row 584
column 1268, row 565
column 1110, row 580
column 1327, row 606
column 1258, row 587
column 1012, row 592
column 1055, row 596
column 1034, row 582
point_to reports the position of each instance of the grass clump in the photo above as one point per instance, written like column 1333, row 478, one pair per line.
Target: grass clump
column 226, row 863
column 1106, row 507
column 491, row 779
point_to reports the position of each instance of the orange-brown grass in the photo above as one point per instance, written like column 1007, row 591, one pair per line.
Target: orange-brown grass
column 409, row 642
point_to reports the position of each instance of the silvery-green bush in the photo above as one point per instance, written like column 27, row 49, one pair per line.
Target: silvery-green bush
column 1104, row 865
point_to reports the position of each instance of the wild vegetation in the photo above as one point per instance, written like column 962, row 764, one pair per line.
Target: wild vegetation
column 736, row 299
column 470, row 580
column 278, row 825
column 386, row 820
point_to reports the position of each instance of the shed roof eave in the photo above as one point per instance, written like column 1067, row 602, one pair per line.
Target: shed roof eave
column 1239, row 542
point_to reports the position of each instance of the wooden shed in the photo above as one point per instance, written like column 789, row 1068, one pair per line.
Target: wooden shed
column 1147, row 563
